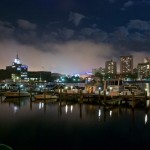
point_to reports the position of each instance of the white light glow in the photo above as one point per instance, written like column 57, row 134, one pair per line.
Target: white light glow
column 15, row 109
column 99, row 113
column 110, row 113
column 41, row 105
column 66, row 109
column 146, row 118
column 148, row 103
column 71, row 108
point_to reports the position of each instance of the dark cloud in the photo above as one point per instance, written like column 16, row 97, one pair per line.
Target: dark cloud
column 25, row 24
column 112, row 1
column 134, row 37
column 6, row 30
column 70, row 50
column 76, row 18
column 128, row 4
column 139, row 25
column 131, row 3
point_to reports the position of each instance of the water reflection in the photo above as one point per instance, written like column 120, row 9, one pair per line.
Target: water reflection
column 71, row 108
column 99, row 113
column 41, row 105
column 83, row 111
column 14, row 103
column 148, row 103
column 145, row 118
column 110, row 113
column 66, row 109
column 16, row 109
column 103, row 113
column 71, row 121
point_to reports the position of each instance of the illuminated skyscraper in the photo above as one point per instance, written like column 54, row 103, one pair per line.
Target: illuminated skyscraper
column 16, row 61
column 144, row 68
column 110, row 67
column 126, row 64
column 17, row 70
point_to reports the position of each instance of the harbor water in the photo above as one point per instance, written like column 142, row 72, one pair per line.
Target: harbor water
column 26, row 125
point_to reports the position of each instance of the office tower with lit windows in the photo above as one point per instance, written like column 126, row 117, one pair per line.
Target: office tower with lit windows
column 110, row 67
column 144, row 68
column 126, row 64
column 17, row 70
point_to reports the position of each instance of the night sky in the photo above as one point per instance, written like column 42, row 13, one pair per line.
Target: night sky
column 73, row 36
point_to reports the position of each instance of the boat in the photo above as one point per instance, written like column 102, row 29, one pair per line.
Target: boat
column 129, row 89
column 15, row 94
column 45, row 96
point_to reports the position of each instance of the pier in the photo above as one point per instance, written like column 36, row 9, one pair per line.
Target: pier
column 104, row 99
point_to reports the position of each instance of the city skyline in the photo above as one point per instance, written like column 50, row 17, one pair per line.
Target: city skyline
column 110, row 65
column 73, row 36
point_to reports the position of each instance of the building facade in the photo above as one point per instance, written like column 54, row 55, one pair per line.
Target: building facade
column 17, row 70
column 143, row 70
column 110, row 67
column 126, row 64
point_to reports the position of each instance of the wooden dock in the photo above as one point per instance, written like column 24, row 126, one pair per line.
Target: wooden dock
column 104, row 99
column 132, row 100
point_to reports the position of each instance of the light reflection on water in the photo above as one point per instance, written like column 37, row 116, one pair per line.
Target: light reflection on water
column 61, row 125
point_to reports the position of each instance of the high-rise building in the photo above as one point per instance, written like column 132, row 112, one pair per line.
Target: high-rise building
column 143, row 70
column 17, row 70
column 110, row 67
column 126, row 64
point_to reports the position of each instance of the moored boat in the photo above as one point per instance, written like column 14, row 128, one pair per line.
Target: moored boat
column 45, row 96
column 15, row 94
column 129, row 89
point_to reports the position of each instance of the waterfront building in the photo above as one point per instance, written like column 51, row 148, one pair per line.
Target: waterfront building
column 39, row 76
column 17, row 70
column 126, row 64
column 110, row 67
column 143, row 70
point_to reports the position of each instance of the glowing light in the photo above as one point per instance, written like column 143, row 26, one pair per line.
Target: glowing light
column 15, row 109
column 66, row 109
column 41, row 105
column 146, row 118
column 110, row 113
column 17, row 61
column 148, row 103
column 99, row 113
column 71, row 108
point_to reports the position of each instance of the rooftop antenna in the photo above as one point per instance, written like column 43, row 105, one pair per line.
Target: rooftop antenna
column 17, row 57
column 17, row 60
